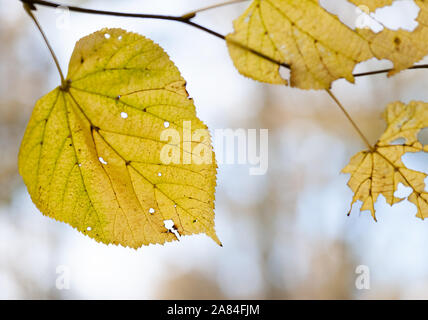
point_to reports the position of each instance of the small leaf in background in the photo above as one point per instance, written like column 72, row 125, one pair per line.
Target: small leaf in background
column 91, row 154
column 380, row 170
column 402, row 47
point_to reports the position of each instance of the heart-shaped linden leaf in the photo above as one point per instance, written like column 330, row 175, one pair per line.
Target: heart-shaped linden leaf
column 117, row 150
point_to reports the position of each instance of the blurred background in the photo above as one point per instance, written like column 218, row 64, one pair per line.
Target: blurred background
column 285, row 234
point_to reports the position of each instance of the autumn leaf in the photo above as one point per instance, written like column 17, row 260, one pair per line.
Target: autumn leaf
column 380, row 170
column 91, row 154
column 403, row 48
column 315, row 44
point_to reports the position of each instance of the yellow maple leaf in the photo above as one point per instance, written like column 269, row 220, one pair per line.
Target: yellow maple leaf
column 403, row 48
column 92, row 152
column 380, row 170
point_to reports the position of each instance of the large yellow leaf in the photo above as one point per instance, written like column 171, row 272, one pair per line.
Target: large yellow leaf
column 315, row 44
column 380, row 170
column 91, row 154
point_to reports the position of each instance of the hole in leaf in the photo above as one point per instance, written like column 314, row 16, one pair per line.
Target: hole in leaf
column 423, row 136
column 102, row 160
column 402, row 191
column 159, row 174
column 284, row 72
column 417, row 161
column 399, row 15
column 169, row 224
column 89, row 228
column 124, row 115
column 107, row 36
column 119, row 38
column 166, row 124
column 398, row 141
column 151, row 210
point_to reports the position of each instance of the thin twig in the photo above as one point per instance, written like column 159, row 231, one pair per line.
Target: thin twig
column 369, row 73
column 185, row 20
column 28, row 8
column 193, row 13
column 363, row 137
column 122, row 14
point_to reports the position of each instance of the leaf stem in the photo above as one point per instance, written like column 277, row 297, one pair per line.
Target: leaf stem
column 28, row 8
column 363, row 137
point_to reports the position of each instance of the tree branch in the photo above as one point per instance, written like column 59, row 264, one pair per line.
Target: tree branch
column 186, row 19
column 370, row 73
column 183, row 19
column 193, row 13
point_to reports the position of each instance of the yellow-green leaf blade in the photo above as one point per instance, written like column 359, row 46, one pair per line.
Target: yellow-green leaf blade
column 91, row 156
